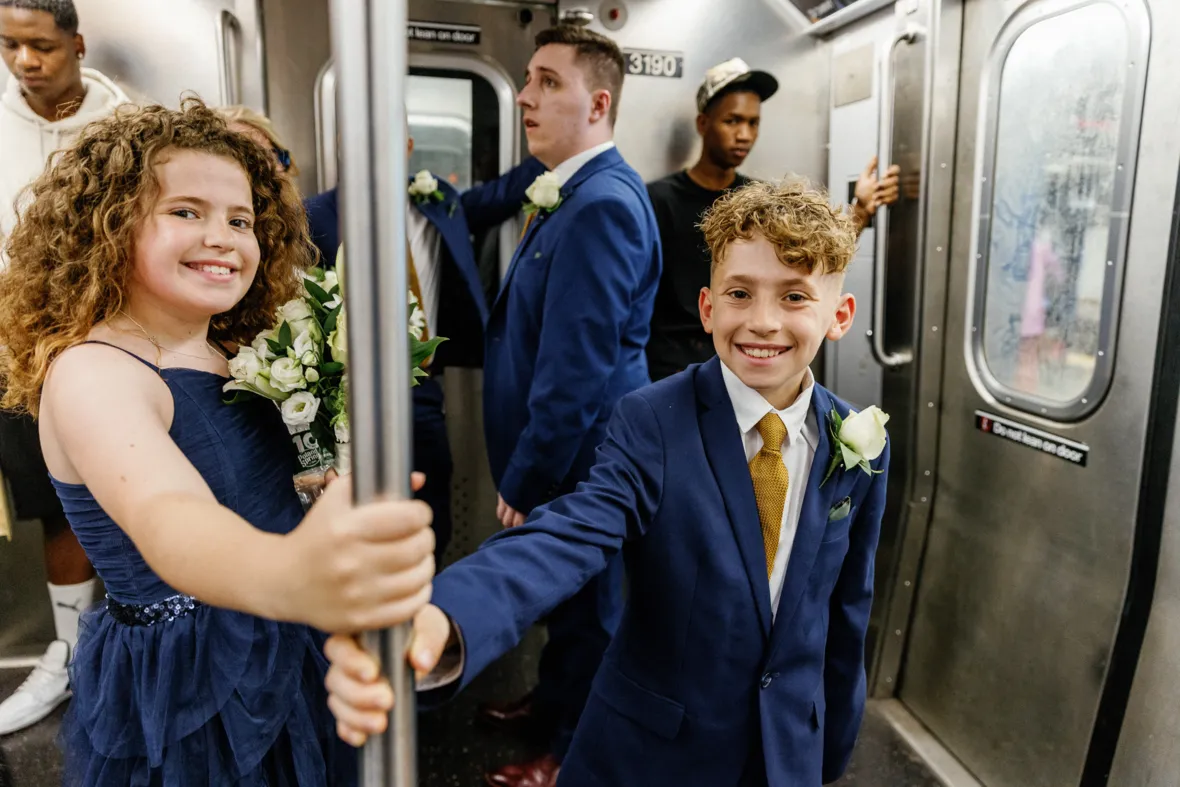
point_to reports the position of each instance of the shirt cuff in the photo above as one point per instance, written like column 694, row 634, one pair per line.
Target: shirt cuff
column 450, row 667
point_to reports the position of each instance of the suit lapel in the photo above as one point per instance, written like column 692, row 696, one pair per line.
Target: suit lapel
column 602, row 161
column 813, row 516
column 727, row 458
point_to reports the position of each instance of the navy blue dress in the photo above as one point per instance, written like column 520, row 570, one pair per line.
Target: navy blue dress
column 169, row 691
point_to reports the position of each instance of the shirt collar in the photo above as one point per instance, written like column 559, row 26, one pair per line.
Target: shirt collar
column 749, row 406
column 568, row 168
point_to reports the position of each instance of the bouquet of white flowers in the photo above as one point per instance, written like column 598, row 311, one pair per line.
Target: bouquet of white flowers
column 301, row 364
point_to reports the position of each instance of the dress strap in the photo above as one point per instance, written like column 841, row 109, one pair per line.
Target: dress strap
column 151, row 366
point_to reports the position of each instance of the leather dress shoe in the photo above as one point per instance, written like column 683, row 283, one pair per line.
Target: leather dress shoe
column 516, row 713
column 541, row 772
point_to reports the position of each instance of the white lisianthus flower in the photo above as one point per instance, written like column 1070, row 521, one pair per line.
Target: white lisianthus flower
column 338, row 341
column 311, row 375
column 300, row 409
column 286, row 375
column 341, row 427
column 339, row 268
column 864, row 432
column 545, row 191
column 424, row 184
column 298, row 315
column 331, row 279
column 305, row 343
column 246, row 365
column 310, row 358
column 260, row 346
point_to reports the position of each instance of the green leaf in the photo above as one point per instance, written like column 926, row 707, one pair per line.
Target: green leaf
column 420, row 351
column 329, row 368
column 831, row 468
column 330, row 322
column 275, row 347
column 851, row 458
column 284, row 336
column 530, row 209
column 316, row 291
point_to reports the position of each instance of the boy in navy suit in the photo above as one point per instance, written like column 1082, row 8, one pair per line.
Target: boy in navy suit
column 746, row 500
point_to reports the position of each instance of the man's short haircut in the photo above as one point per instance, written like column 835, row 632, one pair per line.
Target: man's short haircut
column 599, row 57
column 795, row 217
column 65, row 16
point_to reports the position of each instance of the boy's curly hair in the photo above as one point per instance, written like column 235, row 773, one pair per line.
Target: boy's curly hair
column 72, row 250
column 794, row 216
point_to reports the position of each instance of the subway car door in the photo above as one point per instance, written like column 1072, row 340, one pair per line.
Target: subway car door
column 466, row 61
column 1025, row 625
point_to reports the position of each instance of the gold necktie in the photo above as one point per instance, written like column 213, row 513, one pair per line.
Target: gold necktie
column 527, row 221
column 416, row 288
column 770, row 482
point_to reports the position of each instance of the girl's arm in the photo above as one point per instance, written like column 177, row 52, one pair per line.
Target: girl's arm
column 105, row 422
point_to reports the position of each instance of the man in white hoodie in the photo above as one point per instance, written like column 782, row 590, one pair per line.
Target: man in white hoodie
column 48, row 99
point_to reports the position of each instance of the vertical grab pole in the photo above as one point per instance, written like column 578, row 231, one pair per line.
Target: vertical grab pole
column 369, row 45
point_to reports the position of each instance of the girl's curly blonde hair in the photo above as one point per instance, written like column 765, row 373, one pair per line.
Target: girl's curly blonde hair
column 71, row 253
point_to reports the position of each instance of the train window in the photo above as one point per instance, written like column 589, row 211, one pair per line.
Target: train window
column 1060, row 114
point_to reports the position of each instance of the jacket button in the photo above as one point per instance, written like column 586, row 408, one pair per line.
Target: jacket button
column 766, row 680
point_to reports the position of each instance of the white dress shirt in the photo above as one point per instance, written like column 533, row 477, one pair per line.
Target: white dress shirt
column 798, row 452
column 425, row 243
column 568, row 168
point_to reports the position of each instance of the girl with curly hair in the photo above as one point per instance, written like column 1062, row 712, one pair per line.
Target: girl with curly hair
column 151, row 247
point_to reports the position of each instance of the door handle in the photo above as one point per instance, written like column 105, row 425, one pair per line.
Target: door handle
column 228, row 34
column 909, row 35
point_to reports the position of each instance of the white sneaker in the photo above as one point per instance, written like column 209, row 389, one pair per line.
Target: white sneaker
column 46, row 687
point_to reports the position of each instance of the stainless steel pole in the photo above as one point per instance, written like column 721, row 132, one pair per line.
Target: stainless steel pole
column 369, row 45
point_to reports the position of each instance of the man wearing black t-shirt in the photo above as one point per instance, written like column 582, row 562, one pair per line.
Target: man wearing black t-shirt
column 729, row 102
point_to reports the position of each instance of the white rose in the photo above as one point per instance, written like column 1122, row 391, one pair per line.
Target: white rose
column 864, row 432
column 246, row 365
column 339, row 267
column 297, row 314
column 331, row 279
column 286, row 375
column 424, row 184
column 338, row 341
column 545, row 191
column 300, row 409
column 341, row 427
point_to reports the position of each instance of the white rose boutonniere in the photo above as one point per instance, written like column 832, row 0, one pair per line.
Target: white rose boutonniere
column 856, row 440
column 544, row 194
column 425, row 187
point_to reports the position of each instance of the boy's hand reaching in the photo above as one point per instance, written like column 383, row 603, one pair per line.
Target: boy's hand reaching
column 359, row 696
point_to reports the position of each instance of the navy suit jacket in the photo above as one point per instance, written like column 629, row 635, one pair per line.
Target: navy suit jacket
column 463, row 310
column 566, row 336
column 699, row 687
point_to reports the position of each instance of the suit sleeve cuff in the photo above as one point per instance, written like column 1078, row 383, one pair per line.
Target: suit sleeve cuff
column 525, row 489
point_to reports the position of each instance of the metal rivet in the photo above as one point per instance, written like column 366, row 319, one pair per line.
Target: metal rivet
column 1008, row 399
column 923, row 500
column 939, row 248
column 973, row 329
column 943, row 165
column 889, row 680
column 897, row 633
column 983, row 180
column 979, row 256
column 1120, row 168
column 934, row 328
column 1109, row 263
column 930, row 404
column 1044, row 409
column 1085, row 400
column 907, row 583
column 869, row 332
column 1101, row 353
column 927, row 473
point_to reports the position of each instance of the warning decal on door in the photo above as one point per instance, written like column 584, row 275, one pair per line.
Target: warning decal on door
column 444, row 33
column 1074, row 453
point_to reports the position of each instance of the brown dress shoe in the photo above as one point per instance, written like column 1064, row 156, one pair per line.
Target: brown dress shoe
column 541, row 772
column 516, row 713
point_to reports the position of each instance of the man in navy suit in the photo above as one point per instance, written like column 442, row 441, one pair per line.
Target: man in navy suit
column 747, row 501
column 565, row 342
column 440, row 222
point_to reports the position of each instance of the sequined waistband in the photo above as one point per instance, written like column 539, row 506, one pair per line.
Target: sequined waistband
column 161, row 611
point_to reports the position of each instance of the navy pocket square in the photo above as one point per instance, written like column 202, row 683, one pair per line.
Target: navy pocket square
column 840, row 510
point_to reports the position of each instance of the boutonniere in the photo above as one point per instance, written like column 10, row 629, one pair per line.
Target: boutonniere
column 856, row 440
column 425, row 187
column 544, row 194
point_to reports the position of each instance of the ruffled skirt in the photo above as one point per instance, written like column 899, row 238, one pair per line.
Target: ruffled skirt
column 213, row 697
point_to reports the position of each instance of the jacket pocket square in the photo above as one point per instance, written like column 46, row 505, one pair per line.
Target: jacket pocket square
column 840, row 510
